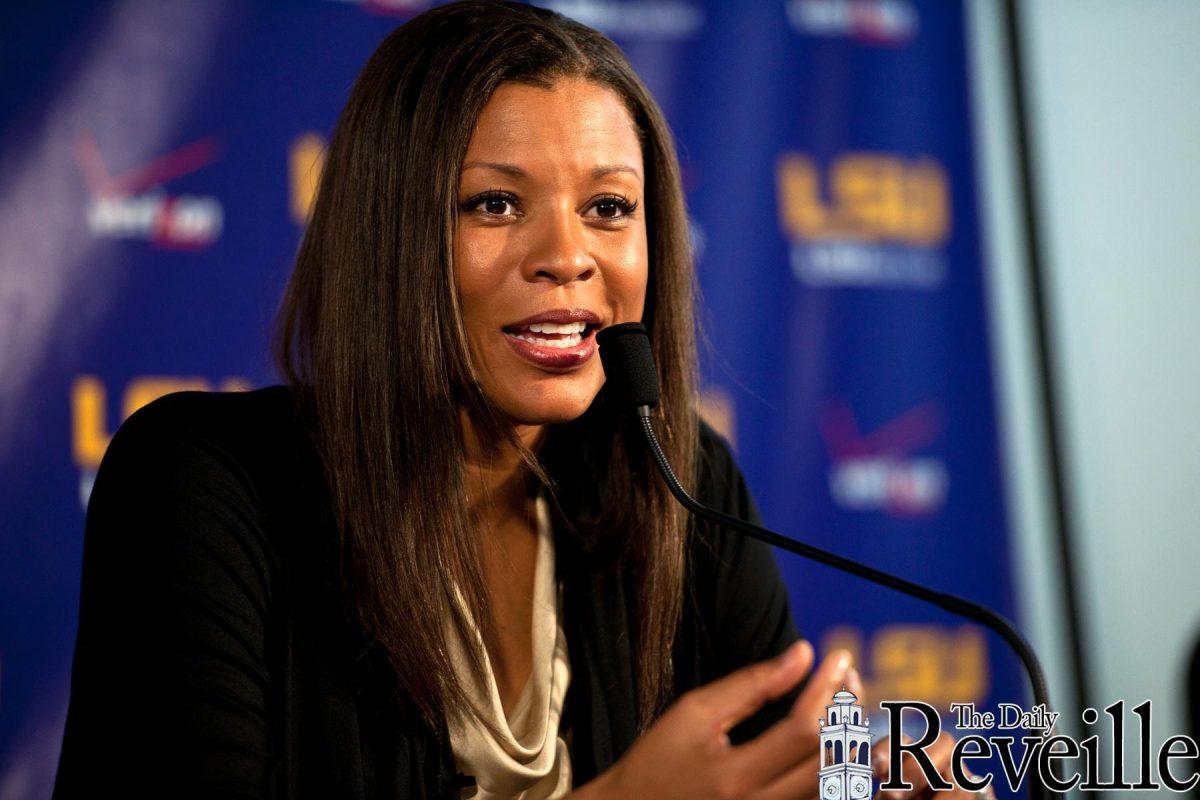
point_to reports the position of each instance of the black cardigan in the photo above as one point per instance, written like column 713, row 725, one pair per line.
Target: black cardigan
column 212, row 661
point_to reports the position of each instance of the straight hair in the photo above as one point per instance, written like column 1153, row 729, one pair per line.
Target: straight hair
column 370, row 332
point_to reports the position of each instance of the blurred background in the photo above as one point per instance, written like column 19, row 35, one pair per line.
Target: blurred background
column 948, row 256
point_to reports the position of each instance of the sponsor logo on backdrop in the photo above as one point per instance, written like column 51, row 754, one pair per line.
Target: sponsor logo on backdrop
column 941, row 664
column 134, row 204
column 867, row 220
column 873, row 22
column 391, row 8
column 880, row 470
column 659, row 19
column 306, row 162
column 91, row 413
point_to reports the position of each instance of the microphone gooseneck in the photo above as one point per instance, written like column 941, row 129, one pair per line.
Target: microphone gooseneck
column 632, row 381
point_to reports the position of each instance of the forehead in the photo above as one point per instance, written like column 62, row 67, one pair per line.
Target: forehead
column 576, row 124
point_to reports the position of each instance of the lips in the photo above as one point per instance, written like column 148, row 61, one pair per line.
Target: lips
column 559, row 339
column 560, row 316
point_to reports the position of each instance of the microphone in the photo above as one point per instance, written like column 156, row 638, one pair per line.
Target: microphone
column 631, row 380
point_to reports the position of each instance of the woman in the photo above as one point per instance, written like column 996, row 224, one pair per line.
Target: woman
column 435, row 563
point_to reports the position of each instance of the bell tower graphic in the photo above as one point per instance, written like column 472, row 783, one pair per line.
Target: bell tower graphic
column 845, row 772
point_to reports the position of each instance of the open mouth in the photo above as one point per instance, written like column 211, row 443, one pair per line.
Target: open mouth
column 554, row 346
column 556, row 335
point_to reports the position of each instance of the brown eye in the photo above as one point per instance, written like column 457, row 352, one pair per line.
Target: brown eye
column 614, row 207
column 495, row 205
column 608, row 208
column 491, row 203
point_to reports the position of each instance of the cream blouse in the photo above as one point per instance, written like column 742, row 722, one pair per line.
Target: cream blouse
column 529, row 760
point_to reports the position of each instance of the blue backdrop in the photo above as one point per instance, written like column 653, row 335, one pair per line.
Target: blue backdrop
column 156, row 161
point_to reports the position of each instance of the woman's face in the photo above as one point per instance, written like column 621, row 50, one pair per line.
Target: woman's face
column 550, row 243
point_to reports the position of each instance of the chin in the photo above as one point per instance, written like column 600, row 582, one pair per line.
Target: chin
column 548, row 410
column 547, row 415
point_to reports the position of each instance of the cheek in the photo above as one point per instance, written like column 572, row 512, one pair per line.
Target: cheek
column 628, row 286
column 477, row 281
column 469, row 270
column 640, row 292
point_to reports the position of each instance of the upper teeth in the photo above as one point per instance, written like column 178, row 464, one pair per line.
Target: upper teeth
column 554, row 327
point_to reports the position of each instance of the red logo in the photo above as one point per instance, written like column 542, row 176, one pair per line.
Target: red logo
column 877, row 470
column 133, row 205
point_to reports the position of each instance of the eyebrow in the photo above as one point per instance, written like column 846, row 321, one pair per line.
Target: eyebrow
column 517, row 172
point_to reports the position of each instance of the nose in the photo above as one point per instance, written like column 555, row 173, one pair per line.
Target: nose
column 560, row 252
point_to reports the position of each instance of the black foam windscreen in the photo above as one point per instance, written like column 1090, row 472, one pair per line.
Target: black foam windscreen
column 629, row 371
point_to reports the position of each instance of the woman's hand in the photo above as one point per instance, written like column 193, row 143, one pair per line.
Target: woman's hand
column 687, row 752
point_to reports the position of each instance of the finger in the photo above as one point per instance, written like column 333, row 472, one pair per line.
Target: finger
column 854, row 683
column 828, row 679
column 795, row 737
column 879, row 758
column 942, row 754
column 726, row 701
column 773, row 752
column 798, row 782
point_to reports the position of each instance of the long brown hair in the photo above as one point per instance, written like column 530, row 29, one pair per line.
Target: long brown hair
column 370, row 331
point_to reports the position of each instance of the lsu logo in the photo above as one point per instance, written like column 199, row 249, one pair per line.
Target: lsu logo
column 90, row 432
column 867, row 219
column 942, row 664
column 306, row 162
column 133, row 205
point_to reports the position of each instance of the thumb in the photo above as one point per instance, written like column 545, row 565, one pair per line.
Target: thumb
column 739, row 694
